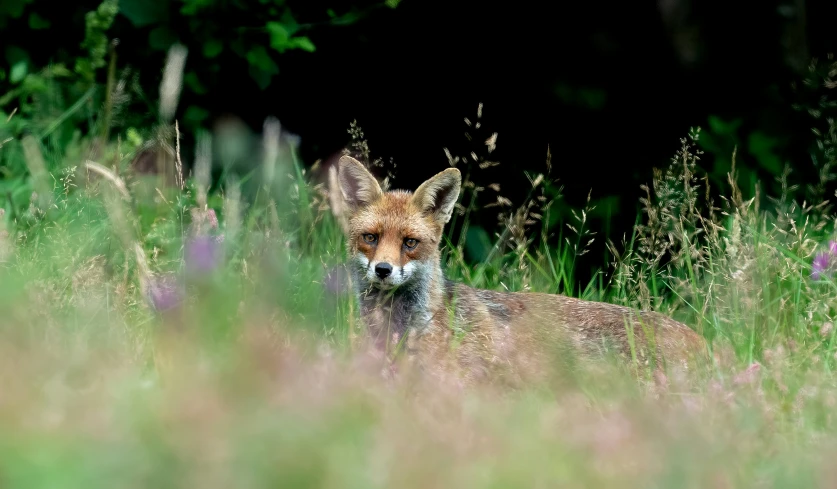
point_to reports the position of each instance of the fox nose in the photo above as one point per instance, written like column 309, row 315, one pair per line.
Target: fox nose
column 383, row 270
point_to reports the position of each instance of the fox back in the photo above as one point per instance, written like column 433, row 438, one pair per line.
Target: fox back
column 394, row 245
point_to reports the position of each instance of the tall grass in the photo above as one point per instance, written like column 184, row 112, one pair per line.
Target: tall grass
column 203, row 334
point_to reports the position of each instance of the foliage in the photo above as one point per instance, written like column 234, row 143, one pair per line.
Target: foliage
column 42, row 100
column 189, row 333
column 180, row 334
column 95, row 41
column 262, row 32
column 252, row 37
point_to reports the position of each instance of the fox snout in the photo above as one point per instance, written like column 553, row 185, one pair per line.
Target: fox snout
column 383, row 270
column 384, row 274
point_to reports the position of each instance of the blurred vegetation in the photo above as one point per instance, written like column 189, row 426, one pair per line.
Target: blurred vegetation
column 110, row 52
column 197, row 330
column 241, row 37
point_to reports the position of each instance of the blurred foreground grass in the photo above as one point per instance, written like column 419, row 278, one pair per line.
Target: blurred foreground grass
column 164, row 333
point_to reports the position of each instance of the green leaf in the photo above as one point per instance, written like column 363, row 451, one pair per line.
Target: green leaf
column 161, row 38
column 289, row 22
column 14, row 8
column 19, row 71
column 282, row 32
column 304, row 43
column 144, row 12
column 195, row 115
column 192, row 7
column 15, row 54
column 762, row 147
column 212, row 48
column 711, row 143
column 36, row 22
column 279, row 36
column 58, row 70
column 261, row 77
column 194, row 83
column 348, row 18
column 133, row 137
column 262, row 66
column 720, row 126
column 392, row 3
column 258, row 57
column 592, row 97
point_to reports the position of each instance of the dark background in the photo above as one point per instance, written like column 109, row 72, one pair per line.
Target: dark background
column 609, row 86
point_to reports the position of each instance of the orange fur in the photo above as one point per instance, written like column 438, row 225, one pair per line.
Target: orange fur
column 497, row 335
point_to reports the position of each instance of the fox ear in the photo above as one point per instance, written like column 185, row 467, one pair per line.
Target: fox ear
column 358, row 186
column 437, row 196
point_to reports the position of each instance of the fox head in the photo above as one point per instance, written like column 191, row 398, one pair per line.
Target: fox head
column 394, row 236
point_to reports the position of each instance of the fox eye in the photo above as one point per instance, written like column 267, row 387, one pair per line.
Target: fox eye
column 410, row 243
column 370, row 238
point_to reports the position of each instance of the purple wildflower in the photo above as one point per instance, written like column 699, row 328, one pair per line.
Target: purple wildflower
column 202, row 254
column 824, row 261
column 164, row 293
column 820, row 265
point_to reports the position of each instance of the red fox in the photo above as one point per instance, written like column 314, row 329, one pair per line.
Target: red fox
column 394, row 247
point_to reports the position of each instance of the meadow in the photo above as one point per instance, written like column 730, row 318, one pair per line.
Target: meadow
column 199, row 331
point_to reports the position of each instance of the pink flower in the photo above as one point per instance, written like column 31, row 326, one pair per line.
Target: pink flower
column 824, row 262
column 749, row 375
column 212, row 218
column 203, row 254
column 819, row 267
column 164, row 293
